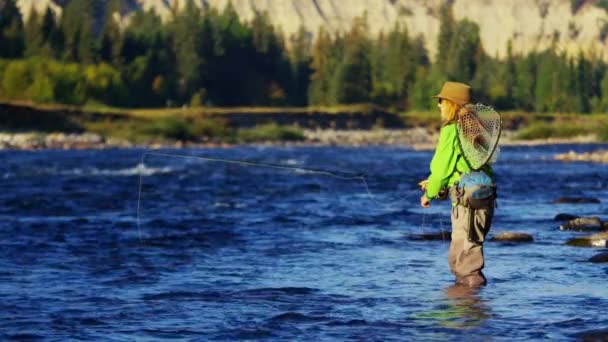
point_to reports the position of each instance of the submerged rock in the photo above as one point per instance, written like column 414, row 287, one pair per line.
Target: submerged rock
column 564, row 217
column 575, row 200
column 513, row 237
column 443, row 236
column 595, row 240
column 592, row 335
column 583, row 224
column 600, row 257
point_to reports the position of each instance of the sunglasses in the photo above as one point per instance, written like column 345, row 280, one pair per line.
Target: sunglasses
column 439, row 101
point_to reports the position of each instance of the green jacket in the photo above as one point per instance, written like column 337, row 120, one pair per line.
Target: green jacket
column 447, row 164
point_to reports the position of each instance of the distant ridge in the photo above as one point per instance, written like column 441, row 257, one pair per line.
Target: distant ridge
column 529, row 24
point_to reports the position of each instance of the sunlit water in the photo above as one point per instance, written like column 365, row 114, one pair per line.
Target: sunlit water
column 227, row 251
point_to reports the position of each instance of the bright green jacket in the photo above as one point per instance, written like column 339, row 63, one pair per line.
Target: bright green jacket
column 447, row 164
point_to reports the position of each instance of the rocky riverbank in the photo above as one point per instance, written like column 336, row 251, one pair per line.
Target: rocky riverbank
column 419, row 138
column 600, row 156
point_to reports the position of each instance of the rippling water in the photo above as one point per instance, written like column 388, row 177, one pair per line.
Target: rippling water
column 226, row 251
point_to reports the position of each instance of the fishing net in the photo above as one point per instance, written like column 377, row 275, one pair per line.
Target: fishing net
column 479, row 129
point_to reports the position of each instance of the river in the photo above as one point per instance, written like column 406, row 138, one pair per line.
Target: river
column 299, row 243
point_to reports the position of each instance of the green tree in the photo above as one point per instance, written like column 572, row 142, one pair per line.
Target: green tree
column 11, row 30
column 110, row 40
column 446, row 34
column 510, row 77
column 301, row 59
column 354, row 75
column 552, row 91
column 77, row 25
column 583, row 84
column 34, row 36
column 321, row 65
column 465, row 52
column 525, row 83
column 52, row 35
column 185, row 33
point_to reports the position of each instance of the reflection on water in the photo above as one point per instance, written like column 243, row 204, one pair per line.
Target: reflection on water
column 461, row 307
column 465, row 308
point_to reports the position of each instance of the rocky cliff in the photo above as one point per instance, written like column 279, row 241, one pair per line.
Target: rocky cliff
column 530, row 24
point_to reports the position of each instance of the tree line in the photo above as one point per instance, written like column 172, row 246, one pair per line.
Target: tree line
column 215, row 58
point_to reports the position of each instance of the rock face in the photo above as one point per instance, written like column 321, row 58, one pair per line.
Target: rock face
column 528, row 24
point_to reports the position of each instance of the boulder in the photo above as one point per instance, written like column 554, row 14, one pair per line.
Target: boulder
column 512, row 237
column 583, row 224
column 565, row 217
column 600, row 257
column 595, row 240
column 576, row 200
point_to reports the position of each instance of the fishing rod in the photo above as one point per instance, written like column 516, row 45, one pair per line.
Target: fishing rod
column 303, row 170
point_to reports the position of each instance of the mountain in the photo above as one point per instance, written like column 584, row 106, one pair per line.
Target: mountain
column 529, row 24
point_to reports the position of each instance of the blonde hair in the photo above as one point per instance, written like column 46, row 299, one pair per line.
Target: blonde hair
column 451, row 111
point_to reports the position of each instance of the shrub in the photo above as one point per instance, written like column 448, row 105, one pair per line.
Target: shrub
column 210, row 129
column 540, row 130
column 270, row 132
column 42, row 90
column 171, row 128
column 17, row 78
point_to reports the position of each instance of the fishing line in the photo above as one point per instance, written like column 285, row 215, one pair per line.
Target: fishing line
column 333, row 174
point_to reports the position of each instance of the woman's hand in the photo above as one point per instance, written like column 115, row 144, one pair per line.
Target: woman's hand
column 424, row 202
column 423, row 185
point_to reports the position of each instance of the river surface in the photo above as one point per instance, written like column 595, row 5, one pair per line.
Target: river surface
column 225, row 251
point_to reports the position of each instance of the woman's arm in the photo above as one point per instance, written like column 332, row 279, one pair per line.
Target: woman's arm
column 443, row 162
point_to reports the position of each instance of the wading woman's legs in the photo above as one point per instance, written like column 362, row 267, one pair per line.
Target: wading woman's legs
column 466, row 252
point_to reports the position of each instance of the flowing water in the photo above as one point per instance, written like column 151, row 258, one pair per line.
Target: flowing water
column 229, row 251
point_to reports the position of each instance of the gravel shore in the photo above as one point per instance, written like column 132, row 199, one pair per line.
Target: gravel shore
column 418, row 138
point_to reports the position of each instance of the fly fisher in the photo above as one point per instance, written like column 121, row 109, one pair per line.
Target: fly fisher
column 460, row 169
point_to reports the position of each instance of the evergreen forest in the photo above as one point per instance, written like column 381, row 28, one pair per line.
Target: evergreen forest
column 214, row 58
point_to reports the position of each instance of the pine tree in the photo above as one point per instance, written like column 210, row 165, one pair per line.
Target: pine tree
column 77, row 27
column 53, row 38
column 11, row 31
column 300, row 68
column 446, row 34
column 465, row 52
column 604, row 95
column 321, row 67
column 525, row 83
column 510, row 77
column 354, row 74
column 110, row 43
column 583, row 84
column 34, row 38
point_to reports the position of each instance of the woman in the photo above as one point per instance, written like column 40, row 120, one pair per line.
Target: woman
column 469, row 227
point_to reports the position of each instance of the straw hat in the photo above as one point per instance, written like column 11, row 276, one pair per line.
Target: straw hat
column 456, row 92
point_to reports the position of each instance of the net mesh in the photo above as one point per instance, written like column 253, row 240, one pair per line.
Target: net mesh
column 478, row 133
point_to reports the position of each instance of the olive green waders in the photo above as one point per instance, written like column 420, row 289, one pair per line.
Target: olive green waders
column 469, row 229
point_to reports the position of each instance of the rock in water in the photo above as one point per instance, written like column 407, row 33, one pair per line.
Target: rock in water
column 564, row 217
column 592, row 335
column 442, row 236
column 513, row 237
column 600, row 257
column 583, row 224
column 576, row 200
column 595, row 240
